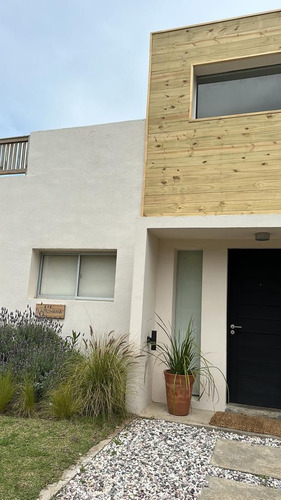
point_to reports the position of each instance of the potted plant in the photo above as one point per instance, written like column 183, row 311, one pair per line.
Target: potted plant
column 185, row 361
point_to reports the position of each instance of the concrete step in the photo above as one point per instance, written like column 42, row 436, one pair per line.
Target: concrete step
column 225, row 489
column 245, row 457
column 253, row 411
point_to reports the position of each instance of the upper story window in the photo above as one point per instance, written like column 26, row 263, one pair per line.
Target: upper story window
column 77, row 276
column 236, row 86
column 235, row 92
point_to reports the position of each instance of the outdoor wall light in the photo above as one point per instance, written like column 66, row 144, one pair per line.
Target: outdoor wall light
column 262, row 236
column 152, row 340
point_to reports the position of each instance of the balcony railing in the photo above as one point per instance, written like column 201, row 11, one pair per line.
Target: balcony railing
column 13, row 155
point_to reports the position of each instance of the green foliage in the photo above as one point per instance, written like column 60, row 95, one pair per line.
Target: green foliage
column 8, row 440
column 52, row 375
column 24, row 404
column 35, row 452
column 63, row 403
column 73, row 339
column 6, row 390
column 33, row 346
column 99, row 379
column 184, row 357
column 181, row 356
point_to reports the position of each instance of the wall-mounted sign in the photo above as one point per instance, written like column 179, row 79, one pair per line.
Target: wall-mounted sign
column 54, row 311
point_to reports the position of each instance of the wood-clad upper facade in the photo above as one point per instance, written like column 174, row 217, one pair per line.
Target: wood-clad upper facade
column 219, row 165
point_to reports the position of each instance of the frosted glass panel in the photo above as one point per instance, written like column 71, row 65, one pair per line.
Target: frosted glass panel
column 59, row 275
column 188, row 295
column 189, row 291
column 97, row 276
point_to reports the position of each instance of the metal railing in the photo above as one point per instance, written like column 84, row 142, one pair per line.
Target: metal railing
column 13, row 155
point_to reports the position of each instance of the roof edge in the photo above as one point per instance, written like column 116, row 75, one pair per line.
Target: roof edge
column 215, row 22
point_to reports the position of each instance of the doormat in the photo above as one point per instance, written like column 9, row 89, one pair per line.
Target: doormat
column 259, row 425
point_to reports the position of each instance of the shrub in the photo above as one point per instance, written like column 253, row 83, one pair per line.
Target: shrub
column 6, row 390
column 63, row 403
column 32, row 346
column 25, row 405
column 100, row 377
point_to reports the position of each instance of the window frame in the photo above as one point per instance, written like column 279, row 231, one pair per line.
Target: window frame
column 78, row 267
column 225, row 66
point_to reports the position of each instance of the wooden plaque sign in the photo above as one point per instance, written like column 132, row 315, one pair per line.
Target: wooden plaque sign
column 54, row 311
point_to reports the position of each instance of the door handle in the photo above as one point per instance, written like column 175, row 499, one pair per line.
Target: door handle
column 235, row 326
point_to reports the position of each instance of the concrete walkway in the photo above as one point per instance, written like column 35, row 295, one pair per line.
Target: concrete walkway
column 195, row 417
column 224, row 489
column 245, row 457
column 234, row 455
column 259, row 460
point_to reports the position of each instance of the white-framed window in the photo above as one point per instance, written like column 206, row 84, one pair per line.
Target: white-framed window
column 77, row 275
column 236, row 86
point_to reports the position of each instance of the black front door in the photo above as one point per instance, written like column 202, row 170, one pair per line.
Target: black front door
column 254, row 327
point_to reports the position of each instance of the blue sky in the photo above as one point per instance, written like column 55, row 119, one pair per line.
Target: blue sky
column 67, row 63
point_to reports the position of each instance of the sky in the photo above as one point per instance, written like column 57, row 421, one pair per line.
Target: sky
column 70, row 63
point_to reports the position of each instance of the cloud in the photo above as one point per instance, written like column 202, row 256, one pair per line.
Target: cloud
column 70, row 63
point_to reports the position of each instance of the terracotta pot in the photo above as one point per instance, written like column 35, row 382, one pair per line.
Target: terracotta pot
column 178, row 392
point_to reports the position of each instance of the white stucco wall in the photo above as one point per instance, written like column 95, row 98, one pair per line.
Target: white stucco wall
column 143, row 314
column 213, row 310
column 214, row 235
column 82, row 191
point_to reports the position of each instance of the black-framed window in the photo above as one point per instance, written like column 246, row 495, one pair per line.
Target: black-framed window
column 77, row 275
column 237, row 92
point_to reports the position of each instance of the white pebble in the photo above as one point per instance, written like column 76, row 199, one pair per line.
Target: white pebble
column 155, row 459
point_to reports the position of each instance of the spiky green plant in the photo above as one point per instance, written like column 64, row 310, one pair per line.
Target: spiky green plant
column 100, row 377
column 6, row 390
column 63, row 402
column 25, row 404
column 184, row 357
column 181, row 356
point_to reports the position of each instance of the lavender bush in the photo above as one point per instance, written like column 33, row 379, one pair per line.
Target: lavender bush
column 33, row 347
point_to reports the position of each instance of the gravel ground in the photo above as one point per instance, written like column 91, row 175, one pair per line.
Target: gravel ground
column 158, row 460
